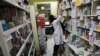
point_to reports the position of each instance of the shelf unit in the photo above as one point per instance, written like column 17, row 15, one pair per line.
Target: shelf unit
column 18, row 30
column 73, row 48
column 13, row 30
column 76, row 50
column 88, row 40
column 23, row 46
column 85, row 27
column 88, row 29
column 83, row 38
column 15, row 4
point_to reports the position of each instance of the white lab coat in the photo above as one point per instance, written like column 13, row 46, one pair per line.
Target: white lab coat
column 58, row 33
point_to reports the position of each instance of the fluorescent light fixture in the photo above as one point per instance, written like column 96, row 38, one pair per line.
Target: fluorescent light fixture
column 42, row 8
column 47, row 23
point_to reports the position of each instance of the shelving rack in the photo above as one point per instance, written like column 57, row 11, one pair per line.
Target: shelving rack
column 12, row 2
column 6, row 36
column 85, row 31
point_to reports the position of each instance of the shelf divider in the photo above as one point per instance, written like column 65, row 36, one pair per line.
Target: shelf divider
column 15, row 28
column 16, row 5
column 31, row 48
column 23, row 46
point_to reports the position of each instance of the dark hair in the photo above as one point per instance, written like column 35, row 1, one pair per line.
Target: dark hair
column 51, row 18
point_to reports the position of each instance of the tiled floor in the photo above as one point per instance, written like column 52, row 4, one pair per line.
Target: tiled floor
column 50, row 45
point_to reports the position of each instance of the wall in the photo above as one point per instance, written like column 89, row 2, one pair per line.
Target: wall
column 53, row 6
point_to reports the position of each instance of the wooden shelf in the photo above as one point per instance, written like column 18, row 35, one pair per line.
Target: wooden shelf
column 23, row 46
column 16, row 5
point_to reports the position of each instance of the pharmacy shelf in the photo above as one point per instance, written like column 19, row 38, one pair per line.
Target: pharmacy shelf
column 31, row 48
column 96, row 0
column 82, row 38
column 86, row 53
column 97, row 30
column 85, row 4
column 65, row 40
column 6, row 33
column 68, row 8
column 15, row 28
column 23, row 46
column 6, row 37
column 77, row 16
column 97, row 44
column 73, row 48
column 80, row 27
column 90, row 8
column 88, row 40
column 88, row 29
column 90, row 15
column 76, row 50
column 68, row 30
column 16, row 5
column 83, row 27
column 34, row 52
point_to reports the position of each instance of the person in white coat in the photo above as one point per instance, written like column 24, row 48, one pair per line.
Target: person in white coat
column 57, row 35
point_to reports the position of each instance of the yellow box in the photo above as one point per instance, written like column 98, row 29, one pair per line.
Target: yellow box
column 78, row 2
column 97, row 27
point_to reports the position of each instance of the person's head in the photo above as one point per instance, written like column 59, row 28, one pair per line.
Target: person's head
column 51, row 18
